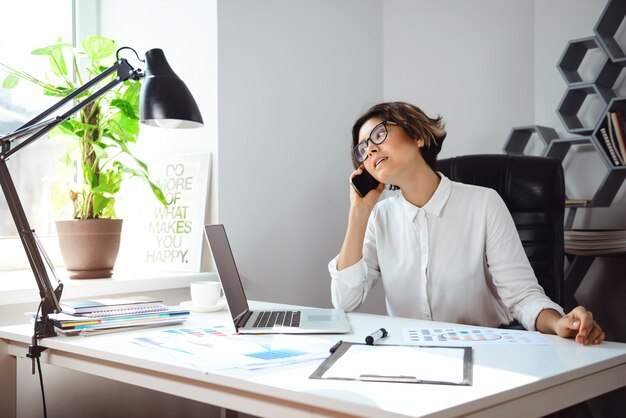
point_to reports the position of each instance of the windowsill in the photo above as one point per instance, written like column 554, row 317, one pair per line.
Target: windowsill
column 20, row 286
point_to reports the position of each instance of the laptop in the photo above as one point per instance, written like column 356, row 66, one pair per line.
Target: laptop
column 296, row 321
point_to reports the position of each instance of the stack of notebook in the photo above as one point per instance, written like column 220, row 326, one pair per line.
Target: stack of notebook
column 103, row 315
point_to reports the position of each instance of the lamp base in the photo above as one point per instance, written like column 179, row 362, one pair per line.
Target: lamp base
column 44, row 328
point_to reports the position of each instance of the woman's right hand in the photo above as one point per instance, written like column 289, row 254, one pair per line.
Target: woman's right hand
column 360, row 210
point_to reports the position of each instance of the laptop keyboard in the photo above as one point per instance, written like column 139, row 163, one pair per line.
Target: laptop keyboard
column 270, row 319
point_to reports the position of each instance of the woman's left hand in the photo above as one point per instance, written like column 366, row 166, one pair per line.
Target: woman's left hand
column 579, row 324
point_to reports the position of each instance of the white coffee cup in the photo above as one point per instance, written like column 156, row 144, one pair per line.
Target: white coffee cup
column 205, row 294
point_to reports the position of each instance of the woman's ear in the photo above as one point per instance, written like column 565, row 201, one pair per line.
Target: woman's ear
column 420, row 143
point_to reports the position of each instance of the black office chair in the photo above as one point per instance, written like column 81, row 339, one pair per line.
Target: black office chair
column 534, row 192
column 533, row 189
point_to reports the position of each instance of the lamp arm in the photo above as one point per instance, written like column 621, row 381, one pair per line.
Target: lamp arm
column 124, row 72
column 24, row 130
column 49, row 297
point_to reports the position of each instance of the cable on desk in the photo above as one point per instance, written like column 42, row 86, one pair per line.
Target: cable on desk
column 34, row 352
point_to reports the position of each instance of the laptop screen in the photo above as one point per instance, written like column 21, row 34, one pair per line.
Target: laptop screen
column 226, row 269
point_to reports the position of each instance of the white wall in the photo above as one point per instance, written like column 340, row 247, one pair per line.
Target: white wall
column 469, row 61
column 293, row 76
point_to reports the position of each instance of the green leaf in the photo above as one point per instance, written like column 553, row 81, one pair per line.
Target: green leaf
column 126, row 107
column 62, row 134
column 109, row 210
column 132, row 93
column 101, row 204
column 89, row 177
column 110, row 182
column 131, row 127
column 51, row 50
column 10, row 81
column 66, row 160
column 158, row 193
column 57, row 59
column 100, row 151
column 122, row 130
column 98, row 48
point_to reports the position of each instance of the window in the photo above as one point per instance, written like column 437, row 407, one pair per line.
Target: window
column 33, row 24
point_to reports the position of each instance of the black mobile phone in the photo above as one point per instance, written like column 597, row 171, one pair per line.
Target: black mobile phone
column 364, row 182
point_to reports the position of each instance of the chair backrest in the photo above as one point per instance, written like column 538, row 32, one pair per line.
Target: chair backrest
column 534, row 192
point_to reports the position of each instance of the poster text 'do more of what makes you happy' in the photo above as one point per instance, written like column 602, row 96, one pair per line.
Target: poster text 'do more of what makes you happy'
column 173, row 219
column 172, row 236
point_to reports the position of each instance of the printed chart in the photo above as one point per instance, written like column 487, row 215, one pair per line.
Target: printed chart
column 478, row 335
column 215, row 348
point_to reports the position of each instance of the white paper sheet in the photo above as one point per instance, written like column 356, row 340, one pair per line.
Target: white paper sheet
column 421, row 363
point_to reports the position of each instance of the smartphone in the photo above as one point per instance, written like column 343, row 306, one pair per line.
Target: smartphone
column 364, row 182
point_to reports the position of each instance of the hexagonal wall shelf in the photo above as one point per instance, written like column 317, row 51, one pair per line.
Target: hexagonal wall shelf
column 588, row 100
column 608, row 188
column 615, row 105
column 572, row 59
column 518, row 138
column 573, row 101
column 607, row 28
column 558, row 148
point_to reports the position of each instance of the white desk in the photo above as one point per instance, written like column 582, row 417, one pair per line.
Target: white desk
column 521, row 381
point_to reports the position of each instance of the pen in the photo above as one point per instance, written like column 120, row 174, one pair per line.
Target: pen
column 335, row 347
column 375, row 336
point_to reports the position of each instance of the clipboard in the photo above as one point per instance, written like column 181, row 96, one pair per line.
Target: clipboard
column 437, row 365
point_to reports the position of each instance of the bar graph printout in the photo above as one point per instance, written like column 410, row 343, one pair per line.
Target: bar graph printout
column 470, row 336
column 215, row 348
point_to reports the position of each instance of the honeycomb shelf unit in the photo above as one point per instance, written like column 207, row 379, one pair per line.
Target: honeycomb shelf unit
column 572, row 60
column 572, row 103
column 585, row 123
column 520, row 136
column 607, row 28
column 609, row 45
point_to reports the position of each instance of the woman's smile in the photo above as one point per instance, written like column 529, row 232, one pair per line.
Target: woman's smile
column 378, row 161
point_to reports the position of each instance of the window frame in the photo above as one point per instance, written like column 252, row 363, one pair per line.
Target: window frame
column 84, row 21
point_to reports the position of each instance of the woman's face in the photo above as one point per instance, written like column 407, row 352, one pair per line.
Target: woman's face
column 395, row 157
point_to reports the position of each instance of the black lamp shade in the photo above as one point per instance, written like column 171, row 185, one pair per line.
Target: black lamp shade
column 165, row 100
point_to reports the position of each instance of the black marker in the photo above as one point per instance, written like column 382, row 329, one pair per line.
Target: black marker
column 335, row 347
column 375, row 336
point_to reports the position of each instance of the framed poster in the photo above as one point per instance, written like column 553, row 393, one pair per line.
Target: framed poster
column 167, row 238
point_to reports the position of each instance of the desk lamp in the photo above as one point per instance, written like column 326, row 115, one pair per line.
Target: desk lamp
column 165, row 101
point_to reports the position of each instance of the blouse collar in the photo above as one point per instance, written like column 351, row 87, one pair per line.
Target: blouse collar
column 435, row 204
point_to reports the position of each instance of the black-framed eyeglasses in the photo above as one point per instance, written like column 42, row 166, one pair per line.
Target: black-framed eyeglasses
column 377, row 136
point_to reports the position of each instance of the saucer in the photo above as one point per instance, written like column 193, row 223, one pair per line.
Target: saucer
column 221, row 304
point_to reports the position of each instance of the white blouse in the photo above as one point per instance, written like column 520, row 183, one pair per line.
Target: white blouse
column 457, row 259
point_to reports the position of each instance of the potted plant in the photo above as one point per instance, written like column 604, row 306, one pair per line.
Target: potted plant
column 99, row 141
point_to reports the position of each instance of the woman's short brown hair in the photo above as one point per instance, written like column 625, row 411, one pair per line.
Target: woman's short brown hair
column 414, row 121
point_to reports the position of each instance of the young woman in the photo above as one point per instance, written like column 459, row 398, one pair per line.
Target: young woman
column 445, row 251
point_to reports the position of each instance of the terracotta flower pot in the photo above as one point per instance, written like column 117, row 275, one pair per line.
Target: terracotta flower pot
column 89, row 246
